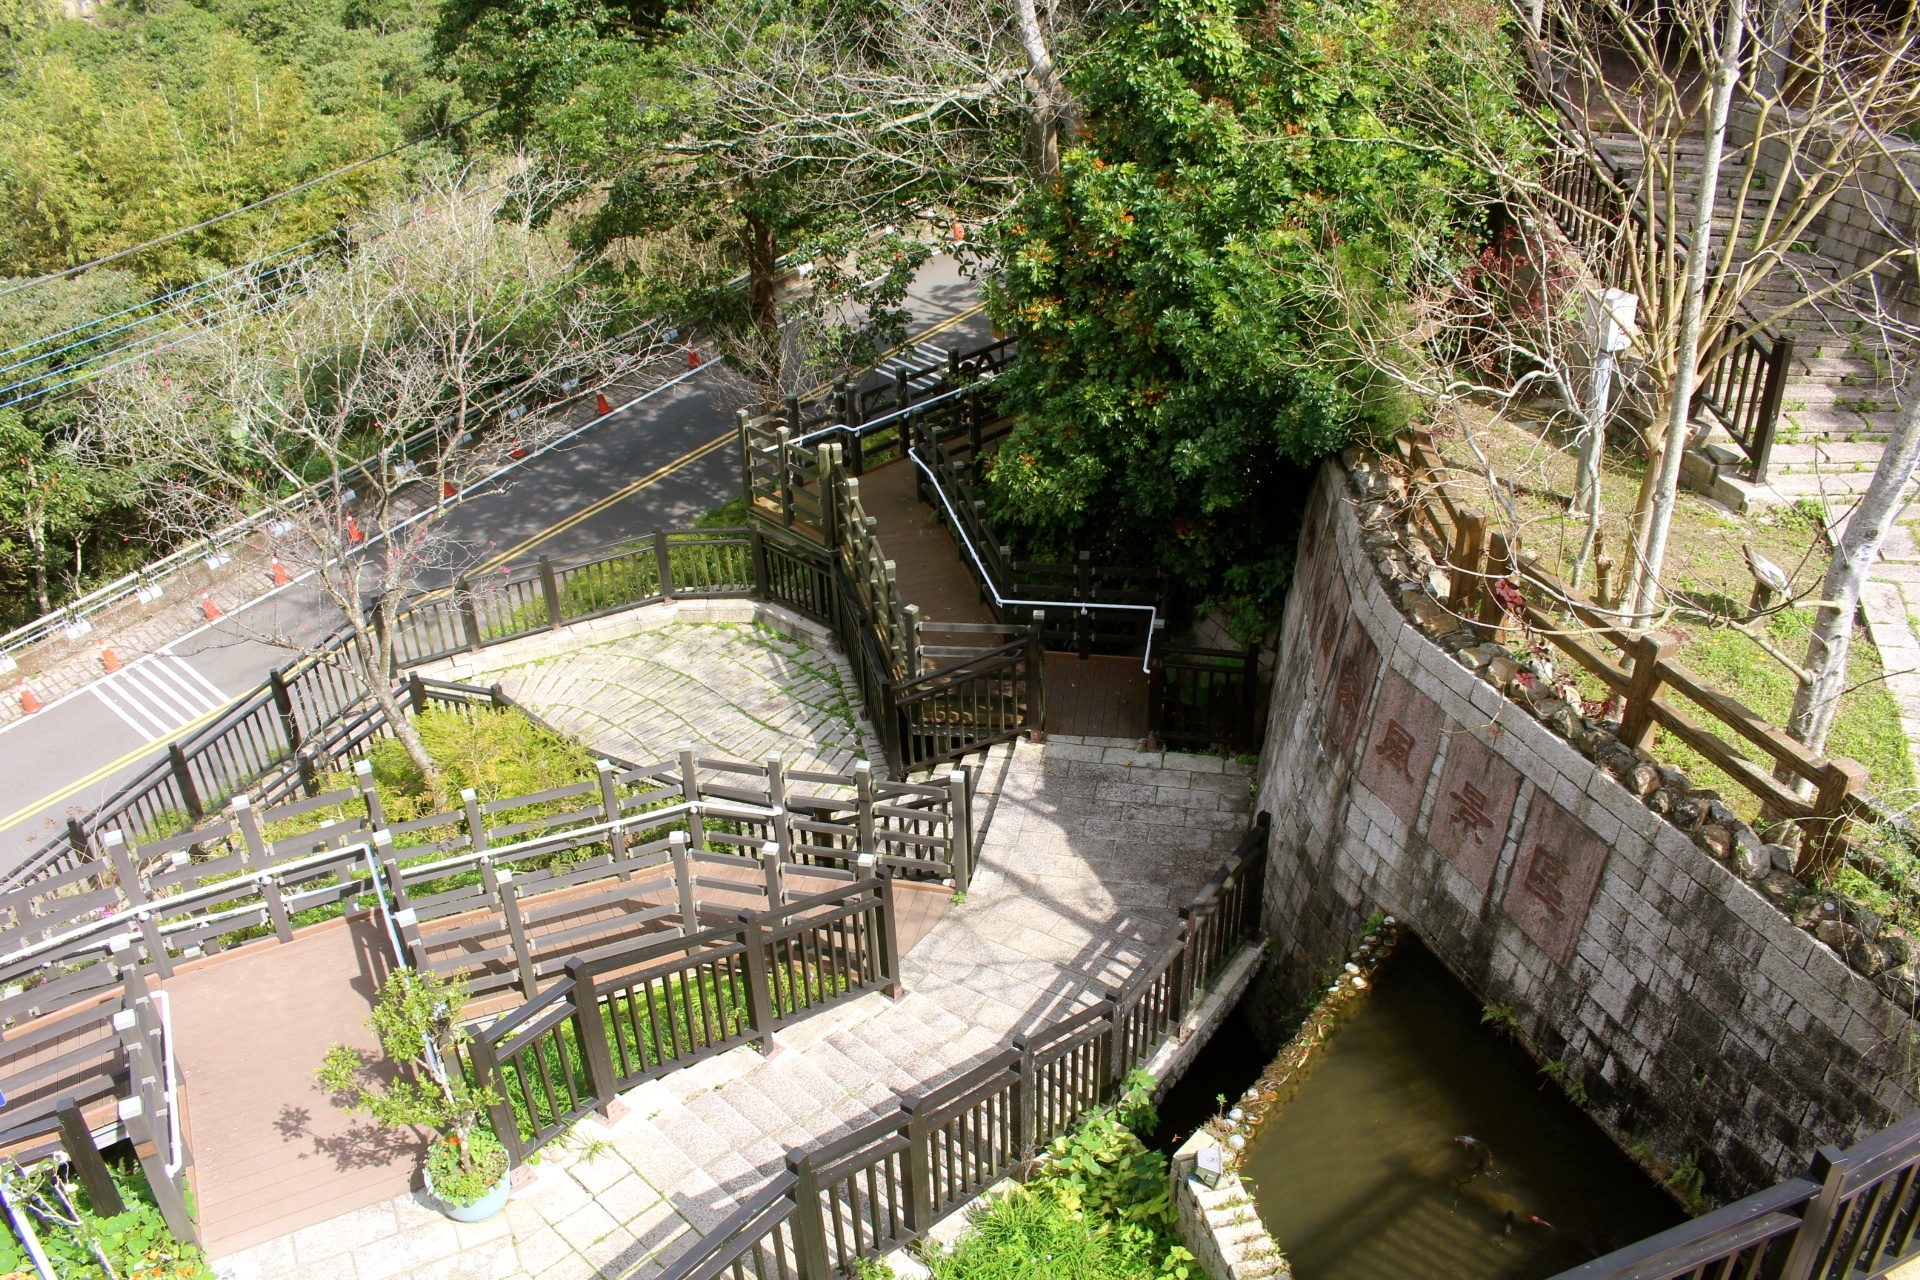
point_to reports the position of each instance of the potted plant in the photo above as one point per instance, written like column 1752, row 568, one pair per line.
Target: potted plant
column 417, row 1022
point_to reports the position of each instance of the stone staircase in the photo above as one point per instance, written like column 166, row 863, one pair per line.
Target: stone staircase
column 1839, row 403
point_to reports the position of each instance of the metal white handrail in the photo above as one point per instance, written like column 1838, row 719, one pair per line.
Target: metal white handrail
column 1083, row 606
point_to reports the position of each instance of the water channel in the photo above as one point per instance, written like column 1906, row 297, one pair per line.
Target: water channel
column 1426, row 1145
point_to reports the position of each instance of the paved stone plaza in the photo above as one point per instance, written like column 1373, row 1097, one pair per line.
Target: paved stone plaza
column 1090, row 848
column 740, row 680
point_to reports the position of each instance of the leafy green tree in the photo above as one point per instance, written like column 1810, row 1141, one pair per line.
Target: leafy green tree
column 46, row 494
column 1175, row 380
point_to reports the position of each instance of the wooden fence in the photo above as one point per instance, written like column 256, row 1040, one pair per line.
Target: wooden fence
column 886, row 1184
column 1852, row 1217
column 317, row 713
column 1602, row 212
column 616, row 1020
column 1640, row 671
column 800, row 469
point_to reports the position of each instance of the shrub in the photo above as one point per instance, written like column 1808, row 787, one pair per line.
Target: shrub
column 134, row 1243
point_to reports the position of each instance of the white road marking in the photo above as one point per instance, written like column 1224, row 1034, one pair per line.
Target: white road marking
column 158, row 694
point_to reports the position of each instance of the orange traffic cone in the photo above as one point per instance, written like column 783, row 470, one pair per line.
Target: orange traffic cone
column 280, row 576
column 600, row 403
column 447, row 490
column 28, row 702
column 693, row 357
column 209, row 608
column 518, row 451
column 959, row 232
column 108, row 658
column 353, row 530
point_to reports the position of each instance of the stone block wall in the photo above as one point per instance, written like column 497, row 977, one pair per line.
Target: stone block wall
column 1699, row 1020
column 1871, row 215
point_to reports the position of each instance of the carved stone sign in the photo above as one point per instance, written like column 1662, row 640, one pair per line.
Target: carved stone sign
column 1401, row 745
column 1346, row 700
column 1475, row 805
column 1554, row 878
column 1328, row 620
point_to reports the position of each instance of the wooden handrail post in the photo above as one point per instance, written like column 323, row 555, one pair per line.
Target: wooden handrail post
column 592, row 1034
column 775, row 876
column 783, row 437
column 1499, row 567
column 683, row 884
column 476, row 821
column 610, row 813
column 757, row 557
column 809, row 1226
column 919, row 1195
column 1037, row 678
column 863, row 807
column 147, row 1133
column 77, row 1139
column 782, row 825
column 369, row 794
column 1829, row 1168
column 890, row 933
column 663, row 564
column 740, row 420
column 469, row 617
column 690, row 792
column 960, row 828
column 506, row 1125
column 1772, row 397
column 183, row 779
column 309, row 767
column 762, row 1011
column 550, row 588
column 1826, row 829
column 416, row 692
column 1466, row 561
column 1249, row 718
column 500, row 885
column 1636, row 722
column 831, row 471
column 1083, row 592
column 283, row 705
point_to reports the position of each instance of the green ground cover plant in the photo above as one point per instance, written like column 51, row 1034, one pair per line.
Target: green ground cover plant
column 135, row 1243
column 1097, row 1209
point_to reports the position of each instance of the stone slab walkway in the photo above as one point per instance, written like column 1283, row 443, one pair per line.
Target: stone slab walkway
column 1090, row 848
column 737, row 678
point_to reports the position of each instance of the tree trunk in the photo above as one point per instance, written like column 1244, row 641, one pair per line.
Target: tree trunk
column 763, row 256
column 1052, row 108
column 1778, row 18
column 1687, row 355
column 376, row 662
column 37, row 539
column 1855, row 553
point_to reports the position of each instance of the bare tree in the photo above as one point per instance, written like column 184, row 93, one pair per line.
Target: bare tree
column 1854, row 554
column 449, row 339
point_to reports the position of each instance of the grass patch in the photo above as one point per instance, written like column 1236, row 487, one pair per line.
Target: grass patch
column 135, row 1242
column 1098, row 1209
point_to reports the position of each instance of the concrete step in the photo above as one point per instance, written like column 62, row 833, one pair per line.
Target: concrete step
column 1834, row 422
column 1829, row 456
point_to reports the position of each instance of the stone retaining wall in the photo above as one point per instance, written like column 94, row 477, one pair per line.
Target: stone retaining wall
column 1700, row 1023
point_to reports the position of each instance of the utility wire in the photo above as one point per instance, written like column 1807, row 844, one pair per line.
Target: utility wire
column 245, row 208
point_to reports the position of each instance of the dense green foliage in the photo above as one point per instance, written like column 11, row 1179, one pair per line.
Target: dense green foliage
column 1175, row 375
column 1098, row 1209
column 149, row 117
column 136, row 1242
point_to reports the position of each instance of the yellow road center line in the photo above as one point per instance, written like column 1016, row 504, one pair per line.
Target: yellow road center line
column 553, row 530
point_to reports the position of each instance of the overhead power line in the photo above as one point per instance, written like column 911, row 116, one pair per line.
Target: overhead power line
column 72, row 271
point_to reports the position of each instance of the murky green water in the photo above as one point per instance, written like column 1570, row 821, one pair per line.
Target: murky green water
column 1364, row 1174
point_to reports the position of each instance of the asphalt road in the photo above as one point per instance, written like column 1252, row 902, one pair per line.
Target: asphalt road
column 627, row 474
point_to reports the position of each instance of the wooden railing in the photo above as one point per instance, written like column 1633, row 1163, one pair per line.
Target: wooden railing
column 1743, row 375
column 1640, row 671
column 616, row 1020
column 1855, row 1214
column 1206, row 698
column 886, row 1184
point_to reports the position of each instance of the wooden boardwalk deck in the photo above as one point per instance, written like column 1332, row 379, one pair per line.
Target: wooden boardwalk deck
column 1103, row 696
column 273, row 1154
column 926, row 562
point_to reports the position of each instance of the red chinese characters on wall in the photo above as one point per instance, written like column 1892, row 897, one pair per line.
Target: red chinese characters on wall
column 1475, row 805
column 1401, row 745
column 1554, row 878
column 1346, row 699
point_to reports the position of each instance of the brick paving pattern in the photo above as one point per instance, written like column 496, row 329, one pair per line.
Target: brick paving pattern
column 1090, row 847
